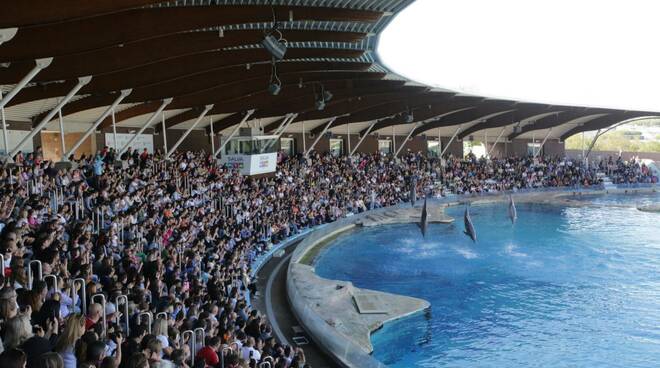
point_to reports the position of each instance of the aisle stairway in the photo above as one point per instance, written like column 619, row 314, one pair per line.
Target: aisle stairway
column 607, row 182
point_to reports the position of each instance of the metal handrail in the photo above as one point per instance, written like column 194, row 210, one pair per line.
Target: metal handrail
column 163, row 314
column 222, row 357
column 83, row 304
column 103, row 304
column 191, row 341
column 39, row 272
column 203, row 335
column 117, row 303
column 54, row 277
column 150, row 319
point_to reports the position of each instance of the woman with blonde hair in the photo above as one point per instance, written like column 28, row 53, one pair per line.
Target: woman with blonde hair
column 8, row 306
column 161, row 331
column 51, row 360
column 74, row 329
column 17, row 330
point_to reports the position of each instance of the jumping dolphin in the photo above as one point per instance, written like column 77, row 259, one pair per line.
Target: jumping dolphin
column 513, row 214
column 469, row 227
column 413, row 191
column 424, row 223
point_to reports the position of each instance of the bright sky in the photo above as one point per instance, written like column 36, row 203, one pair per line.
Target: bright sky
column 601, row 53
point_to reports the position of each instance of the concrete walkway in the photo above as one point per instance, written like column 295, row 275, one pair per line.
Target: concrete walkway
column 279, row 313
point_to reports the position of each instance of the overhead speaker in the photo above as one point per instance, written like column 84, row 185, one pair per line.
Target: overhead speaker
column 409, row 118
column 275, row 47
column 320, row 105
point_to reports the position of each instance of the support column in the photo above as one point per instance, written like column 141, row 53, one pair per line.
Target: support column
column 212, row 137
column 303, row 137
column 4, row 127
column 233, row 133
column 285, row 124
column 6, row 34
column 393, row 140
column 405, row 140
column 81, row 82
column 164, row 130
column 325, row 129
column 114, row 129
column 62, row 134
column 348, row 138
column 199, row 118
column 363, row 137
column 153, row 117
column 542, row 143
column 451, row 140
column 496, row 141
column 593, row 143
column 439, row 142
column 92, row 129
column 41, row 64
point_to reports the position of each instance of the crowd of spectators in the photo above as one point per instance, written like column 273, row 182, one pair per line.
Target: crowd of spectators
column 177, row 239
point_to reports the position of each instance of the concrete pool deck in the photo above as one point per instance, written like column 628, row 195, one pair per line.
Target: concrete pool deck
column 327, row 309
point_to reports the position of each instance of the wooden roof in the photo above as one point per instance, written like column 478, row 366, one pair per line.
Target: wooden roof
column 201, row 52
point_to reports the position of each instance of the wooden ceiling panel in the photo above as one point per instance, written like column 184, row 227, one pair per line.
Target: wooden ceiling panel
column 87, row 34
column 152, row 51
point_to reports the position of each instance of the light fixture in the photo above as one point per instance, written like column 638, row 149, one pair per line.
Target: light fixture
column 327, row 96
column 322, row 98
column 275, row 85
column 273, row 41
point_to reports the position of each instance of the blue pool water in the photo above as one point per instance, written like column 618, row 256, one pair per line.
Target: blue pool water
column 563, row 287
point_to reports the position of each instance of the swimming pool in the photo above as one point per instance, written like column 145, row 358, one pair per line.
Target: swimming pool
column 563, row 287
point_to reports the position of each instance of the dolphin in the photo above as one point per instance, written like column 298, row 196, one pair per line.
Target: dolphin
column 413, row 191
column 469, row 227
column 424, row 223
column 513, row 214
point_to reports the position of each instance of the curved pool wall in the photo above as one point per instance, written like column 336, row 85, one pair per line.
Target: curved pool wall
column 339, row 347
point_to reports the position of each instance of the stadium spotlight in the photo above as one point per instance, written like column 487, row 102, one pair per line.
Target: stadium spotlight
column 273, row 41
column 275, row 85
column 276, row 46
column 322, row 98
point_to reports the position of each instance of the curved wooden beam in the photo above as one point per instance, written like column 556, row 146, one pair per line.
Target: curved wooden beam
column 604, row 122
column 417, row 99
column 553, row 120
column 435, row 109
column 194, row 99
column 243, row 88
column 462, row 115
column 74, row 36
column 23, row 13
column 522, row 112
column 152, row 51
column 171, row 71
column 301, row 100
